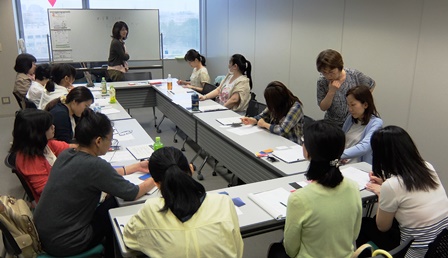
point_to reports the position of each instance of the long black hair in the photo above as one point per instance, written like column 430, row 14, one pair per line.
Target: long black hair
column 279, row 100
column 325, row 143
column 394, row 153
column 29, row 133
column 91, row 126
column 192, row 55
column 182, row 194
column 78, row 94
column 58, row 72
column 244, row 66
column 43, row 71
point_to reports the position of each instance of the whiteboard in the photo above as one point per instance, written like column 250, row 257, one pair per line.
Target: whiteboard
column 84, row 35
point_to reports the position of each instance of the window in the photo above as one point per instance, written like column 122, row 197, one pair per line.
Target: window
column 179, row 22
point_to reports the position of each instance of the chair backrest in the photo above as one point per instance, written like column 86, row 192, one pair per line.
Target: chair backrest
column 19, row 99
column 135, row 76
column 255, row 108
column 10, row 162
column 11, row 246
column 399, row 251
column 29, row 103
column 208, row 88
column 307, row 120
column 439, row 248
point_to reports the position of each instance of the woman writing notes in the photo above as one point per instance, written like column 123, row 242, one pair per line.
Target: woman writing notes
column 234, row 90
column 200, row 74
column 118, row 55
column 360, row 125
column 283, row 115
column 186, row 222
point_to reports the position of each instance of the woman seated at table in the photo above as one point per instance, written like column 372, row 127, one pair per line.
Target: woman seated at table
column 67, row 109
column 42, row 76
column 68, row 218
column 186, row 221
column 408, row 190
column 234, row 90
column 200, row 74
column 360, row 125
column 25, row 67
column 60, row 83
column 283, row 115
column 324, row 217
column 34, row 146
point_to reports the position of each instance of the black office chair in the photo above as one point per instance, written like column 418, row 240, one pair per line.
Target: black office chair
column 439, row 248
column 135, row 76
column 399, row 251
column 208, row 88
column 255, row 108
column 10, row 162
column 20, row 100
column 307, row 120
column 29, row 103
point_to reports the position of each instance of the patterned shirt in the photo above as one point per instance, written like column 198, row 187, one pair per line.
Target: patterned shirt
column 290, row 126
column 338, row 110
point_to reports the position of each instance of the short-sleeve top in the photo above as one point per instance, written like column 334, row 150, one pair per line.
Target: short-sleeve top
column 338, row 110
column 241, row 86
column 199, row 76
column 35, row 92
column 70, row 198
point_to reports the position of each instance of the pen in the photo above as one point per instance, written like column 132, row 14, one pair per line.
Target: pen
column 283, row 204
column 172, row 92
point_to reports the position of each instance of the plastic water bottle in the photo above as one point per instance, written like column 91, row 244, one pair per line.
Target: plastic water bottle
column 112, row 95
column 97, row 108
column 194, row 102
column 158, row 144
column 169, row 82
column 103, row 86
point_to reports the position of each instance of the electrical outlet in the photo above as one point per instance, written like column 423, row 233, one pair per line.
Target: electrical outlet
column 6, row 100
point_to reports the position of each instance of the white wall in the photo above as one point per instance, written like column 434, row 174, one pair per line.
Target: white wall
column 8, row 55
column 402, row 44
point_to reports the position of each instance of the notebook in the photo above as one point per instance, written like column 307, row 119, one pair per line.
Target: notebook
column 290, row 155
column 140, row 151
column 230, row 120
column 273, row 202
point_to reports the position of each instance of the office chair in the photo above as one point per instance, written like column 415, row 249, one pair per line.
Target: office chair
column 30, row 195
column 439, row 248
column 307, row 120
column 135, row 76
column 399, row 251
column 20, row 99
column 255, row 108
column 29, row 103
column 12, row 248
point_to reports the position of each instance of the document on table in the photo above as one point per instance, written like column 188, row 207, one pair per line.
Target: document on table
column 230, row 120
column 273, row 202
column 211, row 108
column 141, row 151
column 108, row 111
column 117, row 156
column 136, row 179
column 245, row 130
column 290, row 155
column 357, row 175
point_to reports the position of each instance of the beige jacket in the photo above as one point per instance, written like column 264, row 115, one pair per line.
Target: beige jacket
column 242, row 87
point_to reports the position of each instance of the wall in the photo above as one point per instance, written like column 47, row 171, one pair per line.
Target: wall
column 398, row 43
column 8, row 55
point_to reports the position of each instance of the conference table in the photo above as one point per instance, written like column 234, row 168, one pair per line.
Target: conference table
column 252, row 218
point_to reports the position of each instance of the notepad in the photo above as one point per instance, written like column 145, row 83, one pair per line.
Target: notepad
column 273, row 202
column 229, row 120
column 357, row 175
column 140, row 151
column 289, row 155
column 211, row 108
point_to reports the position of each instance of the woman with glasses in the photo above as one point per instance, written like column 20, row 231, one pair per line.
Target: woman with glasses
column 234, row 90
column 200, row 74
column 69, row 218
column 333, row 84
column 186, row 221
column 34, row 147
column 118, row 55
column 324, row 218
column 283, row 114
column 66, row 111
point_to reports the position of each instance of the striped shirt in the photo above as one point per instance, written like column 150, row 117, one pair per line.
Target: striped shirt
column 290, row 126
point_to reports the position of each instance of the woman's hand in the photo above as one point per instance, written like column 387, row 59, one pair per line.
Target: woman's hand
column 248, row 120
column 143, row 166
column 262, row 123
column 374, row 179
column 202, row 97
column 180, row 82
column 376, row 188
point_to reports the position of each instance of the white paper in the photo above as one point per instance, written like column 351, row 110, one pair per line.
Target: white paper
column 123, row 138
column 117, row 156
column 108, row 111
column 357, row 175
column 141, row 151
column 289, row 155
column 245, row 130
column 273, row 202
column 230, row 120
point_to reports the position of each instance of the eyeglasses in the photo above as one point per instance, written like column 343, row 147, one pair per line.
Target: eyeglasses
column 114, row 143
column 122, row 133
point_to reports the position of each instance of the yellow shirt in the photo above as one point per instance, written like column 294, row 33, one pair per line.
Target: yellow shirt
column 213, row 231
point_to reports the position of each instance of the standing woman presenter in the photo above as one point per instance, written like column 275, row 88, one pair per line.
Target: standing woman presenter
column 118, row 55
